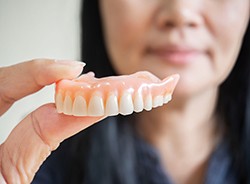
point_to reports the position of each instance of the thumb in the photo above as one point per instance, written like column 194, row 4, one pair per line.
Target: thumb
column 22, row 79
column 33, row 139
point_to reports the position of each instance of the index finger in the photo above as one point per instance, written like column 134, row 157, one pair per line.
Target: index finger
column 28, row 77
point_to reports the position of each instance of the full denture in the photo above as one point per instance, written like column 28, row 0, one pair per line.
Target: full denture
column 109, row 96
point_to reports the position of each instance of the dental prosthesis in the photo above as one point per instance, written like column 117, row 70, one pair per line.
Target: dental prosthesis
column 109, row 96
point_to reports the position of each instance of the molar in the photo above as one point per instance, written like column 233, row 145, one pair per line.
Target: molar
column 167, row 98
column 158, row 101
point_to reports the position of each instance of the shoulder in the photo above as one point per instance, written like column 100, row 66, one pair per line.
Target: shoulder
column 221, row 168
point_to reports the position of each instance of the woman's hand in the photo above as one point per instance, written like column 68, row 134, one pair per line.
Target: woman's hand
column 41, row 132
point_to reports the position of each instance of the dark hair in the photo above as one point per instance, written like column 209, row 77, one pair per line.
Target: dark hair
column 93, row 47
column 110, row 157
column 234, row 108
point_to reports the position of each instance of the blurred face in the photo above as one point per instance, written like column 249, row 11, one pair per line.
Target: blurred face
column 199, row 39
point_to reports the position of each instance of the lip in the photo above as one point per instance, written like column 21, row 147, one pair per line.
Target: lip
column 177, row 55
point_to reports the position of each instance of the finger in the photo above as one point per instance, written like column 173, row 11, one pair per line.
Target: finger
column 32, row 141
column 28, row 77
column 63, row 126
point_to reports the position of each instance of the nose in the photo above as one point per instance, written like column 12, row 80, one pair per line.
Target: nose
column 179, row 14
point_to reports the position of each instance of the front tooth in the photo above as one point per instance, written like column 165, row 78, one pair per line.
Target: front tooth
column 158, row 101
column 79, row 106
column 167, row 98
column 138, row 102
column 67, row 105
column 59, row 103
column 126, row 104
column 111, row 106
column 96, row 107
column 148, row 102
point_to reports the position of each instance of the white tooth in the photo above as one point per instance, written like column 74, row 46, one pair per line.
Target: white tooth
column 59, row 103
column 67, row 105
column 167, row 98
column 148, row 102
column 112, row 106
column 138, row 102
column 79, row 107
column 126, row 104
column 158, row 101
column 96, row 107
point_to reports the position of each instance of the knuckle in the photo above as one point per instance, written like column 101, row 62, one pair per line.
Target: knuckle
column 4, row 89
column 40, row 70
column 38, row 129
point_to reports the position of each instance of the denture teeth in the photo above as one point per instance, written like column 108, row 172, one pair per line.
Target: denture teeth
column 148, row 102
column 96, row 107
column 79, row 106
column 59, row 103
column 112, row 106
column 67, row 105
column 167, row 98
column 138, row 102
column 87, row 95
column 126, row 104
column 158, row 101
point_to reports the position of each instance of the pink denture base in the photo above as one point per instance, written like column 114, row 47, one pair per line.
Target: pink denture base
column 143, row 82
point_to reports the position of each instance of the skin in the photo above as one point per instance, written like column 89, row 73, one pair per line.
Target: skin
column 198, row 39
column 41, row 132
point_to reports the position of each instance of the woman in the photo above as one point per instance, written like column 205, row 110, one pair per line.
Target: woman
column 202, row 135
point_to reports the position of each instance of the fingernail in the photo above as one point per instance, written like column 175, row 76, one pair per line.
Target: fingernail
column 69, row 62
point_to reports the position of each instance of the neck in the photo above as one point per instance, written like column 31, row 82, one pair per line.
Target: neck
column 183, row 129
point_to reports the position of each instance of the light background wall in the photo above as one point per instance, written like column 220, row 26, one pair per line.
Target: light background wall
column 36, row 29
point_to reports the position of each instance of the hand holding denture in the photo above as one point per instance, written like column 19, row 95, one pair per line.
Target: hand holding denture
column 87, row 98
column 41, row 131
